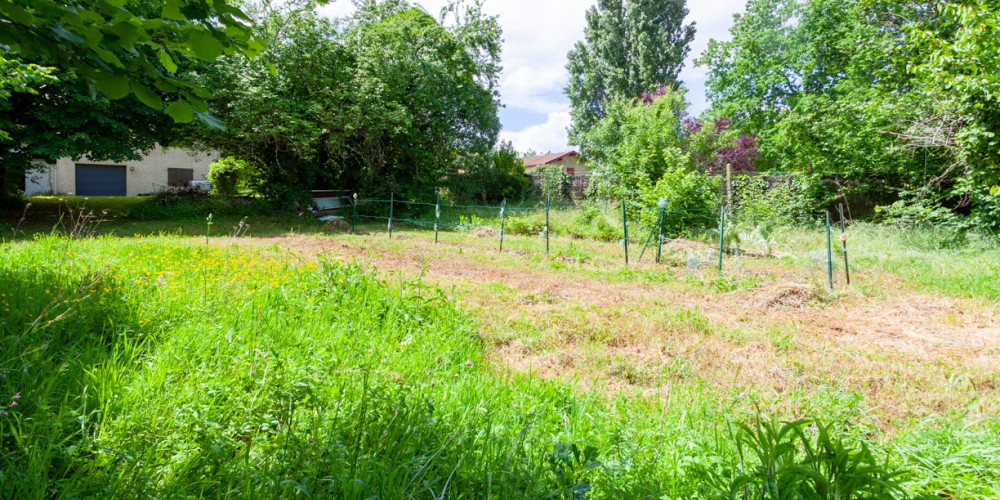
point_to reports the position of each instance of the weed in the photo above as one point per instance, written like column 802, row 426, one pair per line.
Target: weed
column 802, row 459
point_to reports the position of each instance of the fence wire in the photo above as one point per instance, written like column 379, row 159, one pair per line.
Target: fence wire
column 740, row 237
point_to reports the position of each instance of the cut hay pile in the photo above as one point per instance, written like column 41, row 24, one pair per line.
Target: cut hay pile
column 485, row 232
column 336, row 226
column 796, row 296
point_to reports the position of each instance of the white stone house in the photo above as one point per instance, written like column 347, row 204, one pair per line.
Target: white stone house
column 157, row 171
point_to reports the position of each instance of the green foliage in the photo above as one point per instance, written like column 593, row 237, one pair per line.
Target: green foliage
column 490, row 178
column 168, row 206
column 18, row 76
column 878, row 97
column 755, row 197
column 121, row 48
column 389, row 100
column 785, row 460
column 629, row 47
column 592, row 223
column 533, row 224
column 230, row 176
column 690, row 198
column 986, row 215
column 552, row 180
column 635, row 145
column 61, row 119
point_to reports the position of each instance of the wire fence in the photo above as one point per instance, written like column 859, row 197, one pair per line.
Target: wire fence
column 739, row 236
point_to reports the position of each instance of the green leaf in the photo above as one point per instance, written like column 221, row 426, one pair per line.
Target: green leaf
column 995, row 190
column 236, row 32
column 167, row 62
column 147, row 96
column 205, row 46
column 17, row 14
column 127, row 33
column 65, row 34
column 210, row 121
column 108, row 56
column 167, row 87
column 173, row 10
column 180, row 111
column 112, row 85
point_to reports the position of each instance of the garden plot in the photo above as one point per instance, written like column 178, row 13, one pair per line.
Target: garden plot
column 660, row 330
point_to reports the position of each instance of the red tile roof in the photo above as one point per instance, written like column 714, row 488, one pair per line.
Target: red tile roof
column 535, row 161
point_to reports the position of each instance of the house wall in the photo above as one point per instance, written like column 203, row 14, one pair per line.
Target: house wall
column 38, row 181
column 574, row 163
column 148, row 176
column 568, row 162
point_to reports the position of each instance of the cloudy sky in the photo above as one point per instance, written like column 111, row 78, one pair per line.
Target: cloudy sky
column 537, row 35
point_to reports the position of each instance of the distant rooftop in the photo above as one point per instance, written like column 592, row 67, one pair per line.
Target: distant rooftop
column 535, row 161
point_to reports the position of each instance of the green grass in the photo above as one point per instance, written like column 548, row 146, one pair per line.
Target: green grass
column 159, row 367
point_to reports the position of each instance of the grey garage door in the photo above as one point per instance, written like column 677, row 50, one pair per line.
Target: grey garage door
column 100, row 180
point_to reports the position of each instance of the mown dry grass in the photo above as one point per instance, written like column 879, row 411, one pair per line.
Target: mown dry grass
column 772, row 336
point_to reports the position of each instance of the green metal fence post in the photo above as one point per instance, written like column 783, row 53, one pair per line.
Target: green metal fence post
column 843, row 239
column 503, row 220
column 625, row 226
column 354, row 213
column 547, row 200
column 659, row 241
column 437, row 217
column 722, row 234
column 392, row 201
column 829, row 251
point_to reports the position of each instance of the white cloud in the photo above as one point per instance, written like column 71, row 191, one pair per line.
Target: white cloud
column 544, row 137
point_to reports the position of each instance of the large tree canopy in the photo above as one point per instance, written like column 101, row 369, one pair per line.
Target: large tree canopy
column 95, row 77
column 889, row 100
column 630, row 47
column 121, row 47
column 390, row 99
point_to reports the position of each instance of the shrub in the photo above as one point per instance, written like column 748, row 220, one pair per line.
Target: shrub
column 229, row 176
column 695, row 195
column 526, row 224
column 593, row 223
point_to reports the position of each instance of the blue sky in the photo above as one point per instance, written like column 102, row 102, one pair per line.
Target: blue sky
column 537, row 36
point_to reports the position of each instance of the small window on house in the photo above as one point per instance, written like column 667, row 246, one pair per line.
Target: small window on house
column 570, row 171
column 179, row 177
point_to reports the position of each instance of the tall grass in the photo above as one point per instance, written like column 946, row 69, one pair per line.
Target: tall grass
column 136, row 368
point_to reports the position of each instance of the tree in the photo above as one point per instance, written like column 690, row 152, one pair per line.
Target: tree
column 818, row 82
column 490, row 178
column 94, row 77
column 884, row 99
column 959, row 65
column 713, row 146
column 122, row 48
column 636, row 144
column 630, row 46
column 389, row 100
column 60, row 118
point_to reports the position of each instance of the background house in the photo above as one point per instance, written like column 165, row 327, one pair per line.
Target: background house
column 569, row 160
column 578, row 174
column 157, row 171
